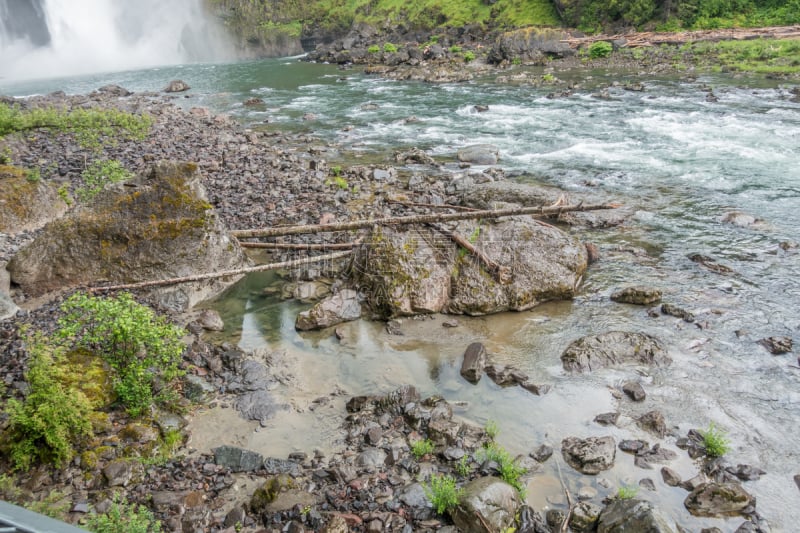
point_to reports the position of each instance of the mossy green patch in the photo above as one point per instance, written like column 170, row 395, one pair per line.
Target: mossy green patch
column 765, row 56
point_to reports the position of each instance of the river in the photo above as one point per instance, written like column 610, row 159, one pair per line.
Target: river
column 679, row 159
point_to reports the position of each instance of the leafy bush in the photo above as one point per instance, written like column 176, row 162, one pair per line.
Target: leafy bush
column 462, row 466
column 98, row 175
column 124, row 517
column 491, row 428
column 509, row 470
column 389, row 48
column 455, row 49
column 600, row 49
column 421, row 448
column 140, row 346
column 374, row 49
column 715, row 441
column 52, row 419
column 469, row 55
column 88, row 125
column 443, row 493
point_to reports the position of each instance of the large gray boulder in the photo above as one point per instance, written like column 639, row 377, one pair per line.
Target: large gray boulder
column 7, row 306
column 487, row 501
column 611, row 349
column 26, row 204
column 479, row 154
column 529, row 43
column 622, row 516
column 413, row 271
column 589, row 456
column 340, row 307
column 158, row 226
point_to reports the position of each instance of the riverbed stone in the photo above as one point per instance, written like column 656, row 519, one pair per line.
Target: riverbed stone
column 542, row 453
column 607, row 419
column 584, row 517
column 653, row 422
column 7, row 306
column 344, row 306
column 634, row 391
column 491, row 498
column 638, row 295
column 613, row 348
column 473, row 363
column 210, row 319
column 237, row 459
column 414, row 271
column 777, row 345
column 505, row 375
column 479, row 154
column 718, row 500
column 621, row 516
column 670, row 477
column 589, row 456
column 156, row 226
column 176, row 86
column 259, row 405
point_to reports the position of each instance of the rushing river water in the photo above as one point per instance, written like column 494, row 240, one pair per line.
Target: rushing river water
column 681, row 161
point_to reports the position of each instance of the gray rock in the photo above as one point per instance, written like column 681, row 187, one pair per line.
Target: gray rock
column 114, row 90
column 210, row 320
column 591, row 455
column 531, row 522
column 371, row 459
column 27, row 205
column 414, row 495
column 718, row 500
column 157, row 226
column 777, row 345
column 259, row 405
column 479, row 154
column 176, row 86
column 621, row 516
column 634, row 391
column 237, row 459
column 739, row 218
column 542, row 453
column 474, row 361
column 343, row 306
column 529, row 43
column 670, row 477
column 607, row 419
column 275, row 466
column 505, row 376
column 678, row 312
column 647, row 483
column 196, row 388
column 611, row 349
column 119, row 472
column 584, row 517
column 637, row 295
column 311, row 291
column 539, row 389
column 653, row 422
column 7, row 306
column 494, row 500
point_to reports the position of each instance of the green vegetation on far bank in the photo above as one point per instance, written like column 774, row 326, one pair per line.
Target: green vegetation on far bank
column 764, row 56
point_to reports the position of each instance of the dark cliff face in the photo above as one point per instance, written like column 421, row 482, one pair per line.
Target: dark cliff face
column 23, row 20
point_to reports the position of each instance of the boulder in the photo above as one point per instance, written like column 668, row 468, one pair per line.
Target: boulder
column 653, row 422
column 589, row 456
column 529, row 43
column 718, row 500
column 637, row 295
column 27, row 204
column 238, row 459
column 176, row 86
column 584, row 517
column 621, row 516
column 613, row 348
column 341, row 307
column 406, row 272
column 777, row 345
column 157, row 226
column 634, row 391
column 7, row 306
column 479, row 154
column 486, row 502
column 210, row 320
column 474, row 361
column 670, row 477
column 505, row 376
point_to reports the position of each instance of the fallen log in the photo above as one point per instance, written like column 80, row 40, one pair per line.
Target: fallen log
column 502, row 273
column 225, row 273
column 290, row 246
column 417, row 219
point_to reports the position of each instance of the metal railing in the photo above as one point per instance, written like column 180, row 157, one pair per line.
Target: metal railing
column 15, row 519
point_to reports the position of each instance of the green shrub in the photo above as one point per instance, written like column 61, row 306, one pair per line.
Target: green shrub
column 389, row 48
column 55, row 505
column 715, row 441
column 124, row 517
column 491, row 428
column 89, row 126
column 509, row 470
column 469, row 55
column 455, row 49
column 52, row 419
column 98, row 175
column 463, row 468
column 443, row 493
column 33, row 175
column 140, row 346
column 422, row 448
column 600, row 49
column 374, row 49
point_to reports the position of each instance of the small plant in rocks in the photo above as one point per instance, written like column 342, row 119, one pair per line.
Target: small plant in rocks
column 421, row 448
column 443, row 493
column 124, row 517
column 627, row 492
column 715, row 441
column 600, row 49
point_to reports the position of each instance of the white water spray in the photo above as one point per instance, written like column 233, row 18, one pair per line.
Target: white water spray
column 54, row 38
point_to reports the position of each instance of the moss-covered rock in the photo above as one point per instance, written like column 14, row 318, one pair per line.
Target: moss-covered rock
column 157, row 226
column 26, row 203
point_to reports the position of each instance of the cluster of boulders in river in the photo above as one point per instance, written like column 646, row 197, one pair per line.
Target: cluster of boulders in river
column 173, row 221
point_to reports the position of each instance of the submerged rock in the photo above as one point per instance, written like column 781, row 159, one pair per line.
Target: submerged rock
column 611, row 349
column 718, row 500
column 487, row 501
column 176, row 86
column 589, row 456
column 777, row 345
column 157, row 226
column 632, row 515
column 479, row 154
column 473, row 363
column 637, row 295
column 343, row 306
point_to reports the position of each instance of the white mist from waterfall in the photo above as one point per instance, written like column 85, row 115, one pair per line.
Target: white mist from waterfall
column 88, row 36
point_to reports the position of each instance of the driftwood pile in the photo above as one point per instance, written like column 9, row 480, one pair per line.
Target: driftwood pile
column 649, row 38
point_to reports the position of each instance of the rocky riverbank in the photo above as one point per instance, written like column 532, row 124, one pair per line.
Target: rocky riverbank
column 377, row 482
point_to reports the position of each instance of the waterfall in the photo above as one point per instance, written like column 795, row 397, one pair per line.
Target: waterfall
column 54, row 38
